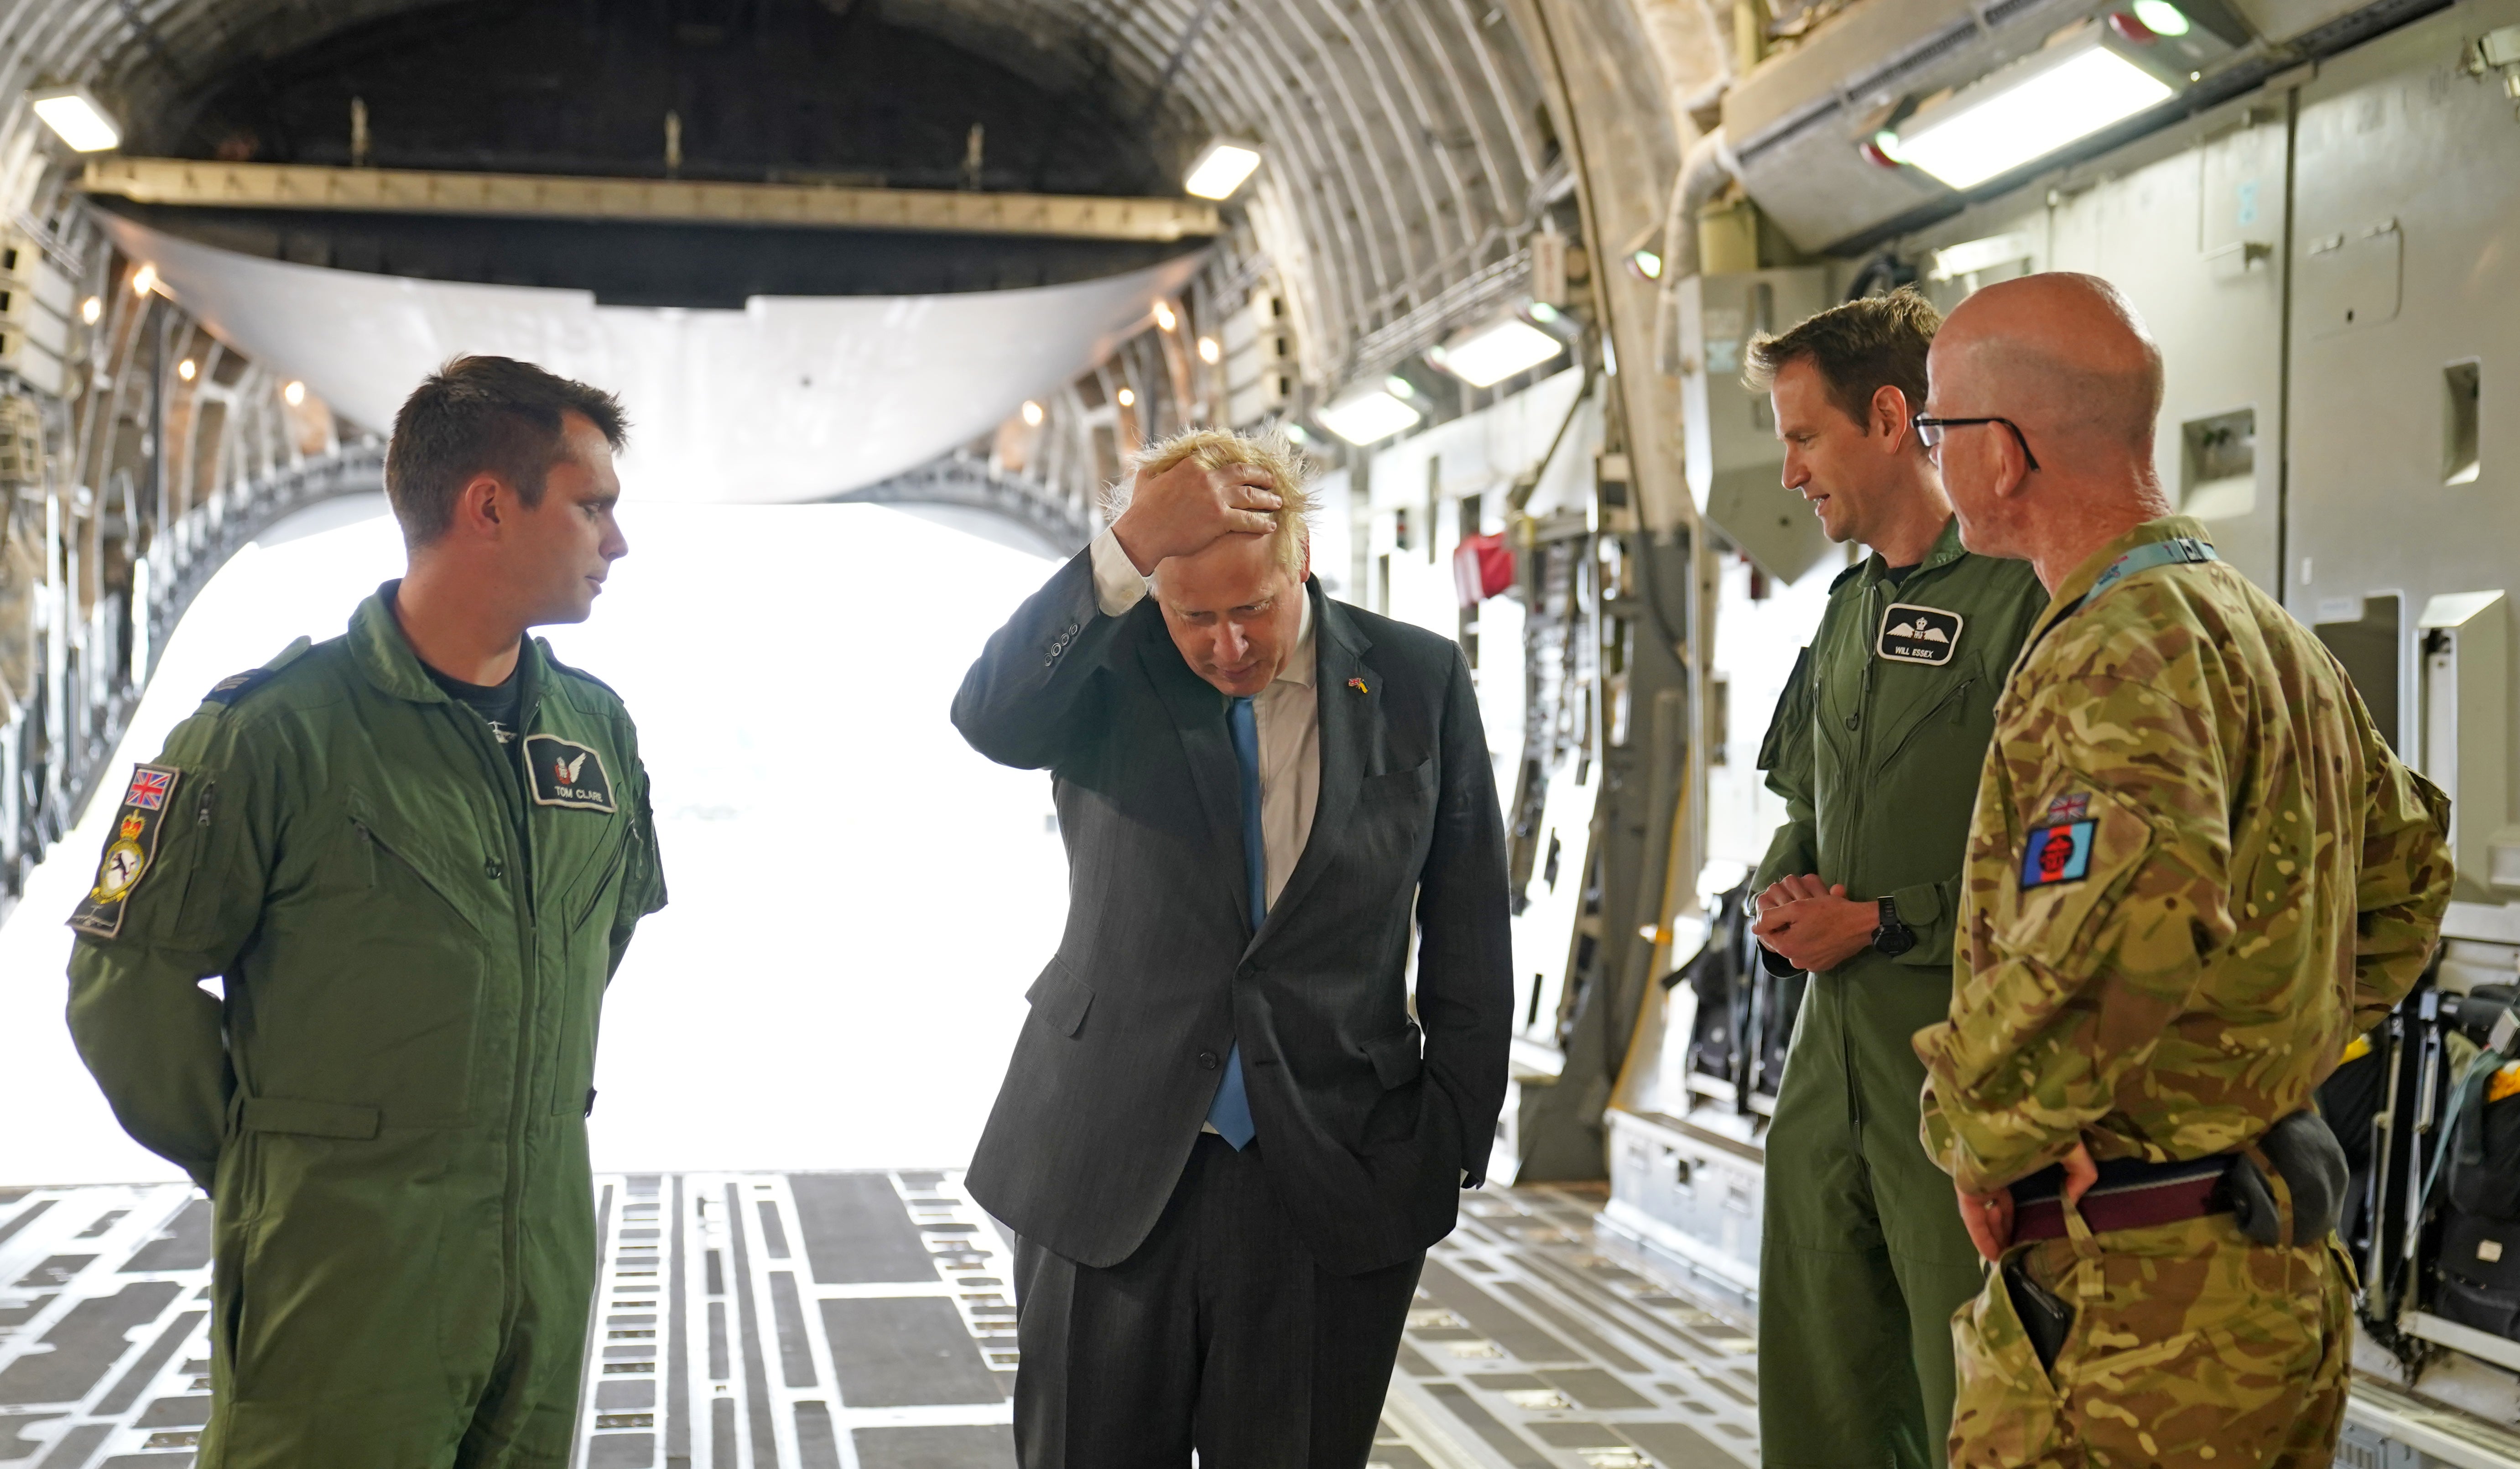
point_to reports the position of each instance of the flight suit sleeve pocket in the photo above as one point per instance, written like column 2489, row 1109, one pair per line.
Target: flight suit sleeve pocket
column 1060, row 999
column 1396, row 1059
column 2068, row 873
column 312, row 1119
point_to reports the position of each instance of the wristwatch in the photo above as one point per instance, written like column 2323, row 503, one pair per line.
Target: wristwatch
column 1893, row 937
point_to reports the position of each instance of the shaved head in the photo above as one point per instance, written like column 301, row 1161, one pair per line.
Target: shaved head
column 2065, row 352
column 2066, row 361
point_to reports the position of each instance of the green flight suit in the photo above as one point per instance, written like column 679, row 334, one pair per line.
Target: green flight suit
column 415, row 925
column 1876, row 748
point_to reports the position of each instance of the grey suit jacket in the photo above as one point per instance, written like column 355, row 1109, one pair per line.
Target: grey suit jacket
column 1366, row 1122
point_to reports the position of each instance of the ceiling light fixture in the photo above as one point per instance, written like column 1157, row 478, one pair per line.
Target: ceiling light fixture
column 2026, row 112
column 1367, row 417
column 92, row 310
column 75, row 115
column 1645, row 263
column 144, row 280
column 294, row 394
column 1220, row 168
column 1128, row 397
column 1164, row 315
column 1031, row 414
column 187, row 370
column 1208, row 351
column 1485, row 356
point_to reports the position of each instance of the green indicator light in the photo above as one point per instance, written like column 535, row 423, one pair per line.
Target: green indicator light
column 2161, row 18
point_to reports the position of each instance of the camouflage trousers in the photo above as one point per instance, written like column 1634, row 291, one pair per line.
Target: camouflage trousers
column 2191, row 1348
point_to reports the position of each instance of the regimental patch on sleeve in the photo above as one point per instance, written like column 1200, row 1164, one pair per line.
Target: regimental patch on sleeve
column 567, row 773
column 1911, row 634
column 2058, row 852
column 130, row 852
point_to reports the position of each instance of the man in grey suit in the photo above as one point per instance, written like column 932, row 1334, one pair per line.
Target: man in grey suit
column 1223, row 1143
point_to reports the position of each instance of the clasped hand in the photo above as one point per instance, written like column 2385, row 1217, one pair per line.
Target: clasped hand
column 1180, row 510
column 1814, row 925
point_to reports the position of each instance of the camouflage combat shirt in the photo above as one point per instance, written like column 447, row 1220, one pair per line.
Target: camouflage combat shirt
column 2195, row 872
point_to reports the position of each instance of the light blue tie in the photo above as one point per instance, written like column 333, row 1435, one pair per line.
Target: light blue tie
column 1231, row 1113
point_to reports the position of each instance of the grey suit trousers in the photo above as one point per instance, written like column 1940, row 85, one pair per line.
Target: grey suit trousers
column 1220, row 1334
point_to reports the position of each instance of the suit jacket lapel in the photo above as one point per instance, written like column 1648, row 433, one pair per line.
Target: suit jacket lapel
column 1198, row 717
column 1351, row 720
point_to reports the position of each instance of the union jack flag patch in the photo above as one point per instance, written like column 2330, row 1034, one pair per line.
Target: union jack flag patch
column 149, row 789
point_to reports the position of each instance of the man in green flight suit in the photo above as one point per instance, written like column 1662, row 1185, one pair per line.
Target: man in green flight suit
column 413, row 854
column 1875, row 747
column 2195, row 872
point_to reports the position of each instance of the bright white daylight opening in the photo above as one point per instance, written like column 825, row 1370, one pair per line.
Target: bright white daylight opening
column 1488, row 355
column 2026, row 112
column 76, row 119
column 1220, row 169
column 858, row 899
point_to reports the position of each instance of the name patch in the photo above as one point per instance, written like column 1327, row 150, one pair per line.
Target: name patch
column 2058, row 854
column 567, row 773
column 1911, row 634
column 130, row 852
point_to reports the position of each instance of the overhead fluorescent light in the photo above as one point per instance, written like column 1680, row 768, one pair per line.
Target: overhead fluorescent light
column 2026, row 112
column 1220, row 169
column 1486, row 356
column 77, row 118
column 1367, row 417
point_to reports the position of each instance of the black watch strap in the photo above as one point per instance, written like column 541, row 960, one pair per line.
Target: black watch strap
column 1893, row 937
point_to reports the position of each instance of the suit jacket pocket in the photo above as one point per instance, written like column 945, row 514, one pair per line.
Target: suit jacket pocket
column 1395, row 1057
column 1061, row 998
column 1393, row 784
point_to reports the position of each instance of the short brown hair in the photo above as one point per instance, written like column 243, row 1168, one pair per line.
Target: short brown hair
column 1859, row 348
column 479, row 414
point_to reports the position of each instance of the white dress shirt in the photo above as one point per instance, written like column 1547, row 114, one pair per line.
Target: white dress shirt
column 1288, row 714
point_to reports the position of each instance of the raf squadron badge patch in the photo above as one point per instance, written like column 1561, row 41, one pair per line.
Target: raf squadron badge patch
column 567, row 773
column 1911, row 634
column 130, row 852
column 2059, row 850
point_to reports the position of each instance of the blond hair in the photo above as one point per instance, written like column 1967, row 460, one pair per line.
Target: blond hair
column 1289, row 471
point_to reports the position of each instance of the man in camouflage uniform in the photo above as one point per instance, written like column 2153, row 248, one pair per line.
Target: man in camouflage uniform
column 2195, row 872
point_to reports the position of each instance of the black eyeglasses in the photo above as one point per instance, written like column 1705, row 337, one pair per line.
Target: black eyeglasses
column 1929, row 432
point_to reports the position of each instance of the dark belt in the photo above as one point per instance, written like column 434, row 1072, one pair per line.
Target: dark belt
column 2131, row 1194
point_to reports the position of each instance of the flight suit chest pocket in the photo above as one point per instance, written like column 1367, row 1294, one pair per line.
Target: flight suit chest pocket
column 385, row 1012
column 1059, row 999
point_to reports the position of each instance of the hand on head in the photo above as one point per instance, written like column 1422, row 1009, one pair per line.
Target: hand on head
column 1181, row 509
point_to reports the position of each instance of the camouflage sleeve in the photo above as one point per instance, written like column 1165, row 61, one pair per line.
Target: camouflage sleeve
column 1786, row 755
column 2404, row 886
column 153, row 1038
column 2088, row 930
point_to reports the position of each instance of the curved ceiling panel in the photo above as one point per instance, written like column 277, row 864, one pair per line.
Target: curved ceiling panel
column 792, row 398
column 1405, row 143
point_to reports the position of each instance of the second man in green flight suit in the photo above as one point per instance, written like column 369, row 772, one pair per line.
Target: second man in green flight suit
column 1876, row 748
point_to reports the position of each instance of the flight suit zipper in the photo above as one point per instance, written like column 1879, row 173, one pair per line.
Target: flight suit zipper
column 508, row 777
